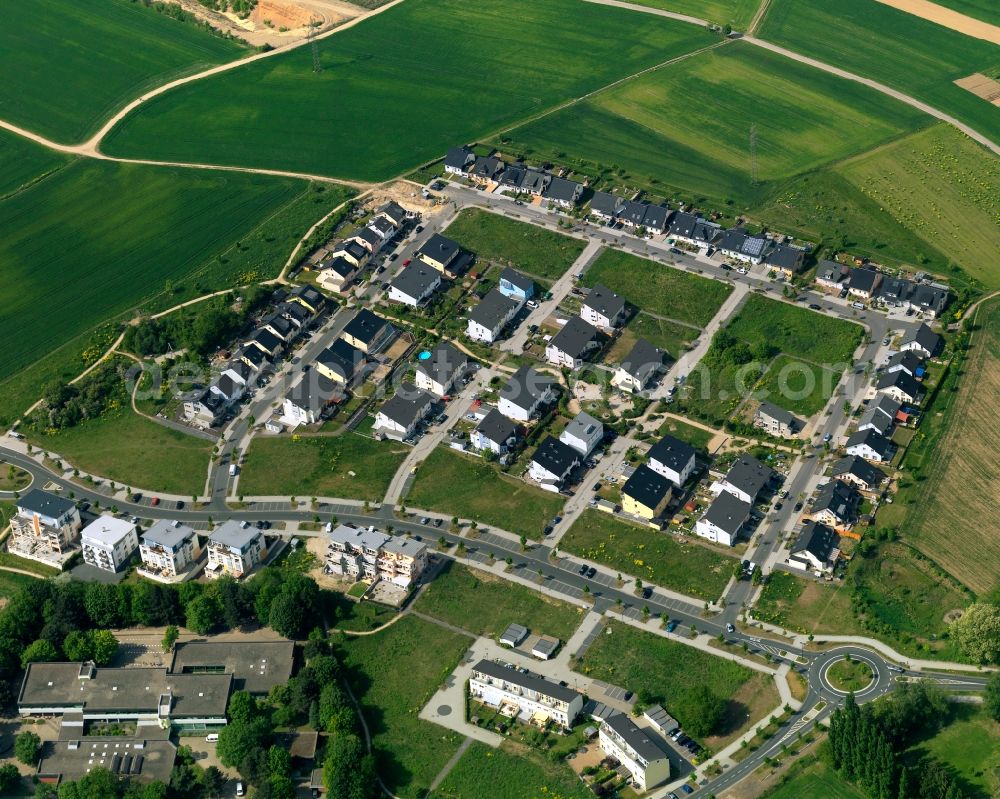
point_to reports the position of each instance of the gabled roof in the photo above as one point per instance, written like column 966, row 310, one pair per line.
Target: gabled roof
column 780, row 415
column 929, row 298
column 407, row 405
column 785, row 257
column 308, row 295
column 445, row 362
column 728, row 512
column 575, row 337
column 496, row 427
column 356, row 249
column 534, row 180
column 494, row 308
column 280, row 324
column 605, row 203
column 516, row 279
column 672, row 453
column 266, row 339
column 881, row 413
column 383, row 227
column 832, row 271
column 513, row 175
column 555, row 457
column 294, row 310
column 604, row 301
column 313, row 392
column 440, row 248
column 526, row 680
column 863, row 279
column 366, row 326
column 644, row 360
column 840, row 498
column 749, row 474
column 860, row 468
column 487, row 166
column 656, row 217
column 637, row 740
column 252, row 354
column 394, row 211
column 737, row 240
column 895, row 288
column 342, row 359
column 45, row 504
column 240, row 369
column 562, row 189
column 416, row 280
column 875, row 441
column 692, row 226
column 633, row 212
column 646, row 487
column 818, row 540
column 902, row 381
column 459, row 157
column 526, row 387
column 907, row 359
column 226, row 386
column 584, row 426
column 925, row 337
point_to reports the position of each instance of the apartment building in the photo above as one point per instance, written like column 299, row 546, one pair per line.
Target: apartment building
column 45, row 527
column 108, row 542
column 234, row 549
column 367, row 554
column 523, row 695
column 638, row 752
column 167, row 549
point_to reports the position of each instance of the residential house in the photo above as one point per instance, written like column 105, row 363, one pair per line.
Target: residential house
column 901, row 387
column 394, row 213
column 488, row 319
column 281, row 326
column 309, row 400
column 603, row 308
column 524, row 695
column 253, row 357
column 724, row 520
column 368, row 332
column 673, row 458
column 439, row 373
column 383, row 228
column 907, row 361
column 337, row 274
column 870, row 445
column 439, row 252
column 786, row 259
column 340, row 362
column 486, row 169
column 534, row 182
column 562, row 192
column 459, row 160
column 226, row 389
column 367, row 554
column 880, row 415
column 44, row 527
column 495, row 433
column 836, row 504
column 746, row 478
column 859, row 473
column 400, row 414
column 662, row 722
column 640, row 754
column 864, row 283
column 414, row 285
column 308, row 298
column 108, row 542
column 737, row 243
column 234, row 548
column 776, row 421
column 895, row 292
column 817, row 549
column 573, row 344
column 692, row 229
column 268, row 343
column 204, row 408
column 656, row 218
column 295, row 312
column 239, row 372
column 929, row 299
column 515, row 285
column 510, row 179
column 167, row 549
column 358, row 249
column 584, row 433
column 552, row 463
column 606, row 206
column 832, row 275
column 640, row 368
column 646, row 494
column 922, row 341
column 525, row 393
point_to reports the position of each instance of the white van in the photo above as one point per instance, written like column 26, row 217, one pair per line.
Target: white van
column 212, row 737
column 233, row 469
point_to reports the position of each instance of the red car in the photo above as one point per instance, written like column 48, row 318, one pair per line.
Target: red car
column 406, row 262
column 155, row 501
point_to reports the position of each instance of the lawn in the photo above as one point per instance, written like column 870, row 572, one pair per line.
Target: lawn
column 393, row 674
column 671, row 337
column 658, row 289
column 695, row 436
column 737, row 13
column 713, row 393
column 399, row 89
column 133, row 451
column 532, row 249
column 73, row 64
column 471, row 488
column 634, row 134
column 816, row 781
column 871, row 39
column 485, row 604
column 510, row 772
column 663, row 671
column 13, row 478
column 970, row 744
column 351, row 465
column 807, row 606
column 657, row 558
column 799, row 387
column 850, row 675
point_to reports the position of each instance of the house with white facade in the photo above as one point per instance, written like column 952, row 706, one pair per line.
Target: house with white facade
column 858, row 472
column 108, row 542
column 880, row 415
column 836, row 504
column 552, row 463
column 167, row 549
column 439, row 373
column 367, row 554
column 493, row 313
column 673, row 458
column 309, row 400
column 400, row 414
column 901, row 387
column 923, row 341
column 525, row 393
column 523, row 695
column 746, row 478
column 724, row 520
column 776, row 421
column 573, row 344
column 584, row 433
column 603, row 308
column 639, row 752
column 816, row 550
column 870, row 445
column 641, row 368
column 515, row 285
column 415, row 285
column 495, row 433
column 234, row 548
column 45, row 527
column 688, row 228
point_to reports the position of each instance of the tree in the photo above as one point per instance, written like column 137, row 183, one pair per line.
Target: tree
column 203, row 613
column 992, row 700
column 170, row 637
column 9, row 777
column 348, row 772
column 214, row 781
column 38, row 652
column 708, row 710
column 107, row 605
column 78, row 645
column 240, row 738
column 26, row 747
column 105, row 646
column 977, row 632
column 242, row 707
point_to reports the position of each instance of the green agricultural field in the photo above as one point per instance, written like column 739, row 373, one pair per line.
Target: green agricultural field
column 321, row 466
column 658, row 289
column 657, row 558
column 471, row 488
column 901, row 50
column 393, row 674
column 970, row 744
column 635, row 134
column 944, row 188
column 798, row 387
column 485, row 604
column 986, row 10
column 521, row 773
column 22, row 161
column 399, row 89
column 737, row 13
column 532, row 249
column 663, row 671
column 815, row 781
column 70, row 65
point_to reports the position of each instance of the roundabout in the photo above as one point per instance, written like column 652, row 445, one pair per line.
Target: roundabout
column 845, row 670
column 849, row 675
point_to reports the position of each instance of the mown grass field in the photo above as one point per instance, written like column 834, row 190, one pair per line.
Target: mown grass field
column 320, row 466
column 509, row 772
column 657, row 558
column 970, row 744
column 532, row 249
column 663, row 671
column 12, row 582
column 695, row 436
column 659, row 289
column 399, row 89
column 637, row 132
column 484, row 604
column 393, row 674
column 899, row 49
column 737, row 13
column 942, row 187
column 70, row 65
column 816, row 781
column 806, row 606
column 471, row 488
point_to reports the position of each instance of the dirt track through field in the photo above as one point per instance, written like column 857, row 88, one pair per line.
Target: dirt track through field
column 947, row 18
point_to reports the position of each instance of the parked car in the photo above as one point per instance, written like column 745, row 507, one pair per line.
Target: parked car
column 687, row 788
column 730, row 628
column 583, row 570
column 154, row 501
column 407, row 262
column 425, row 520
column 591, row 572
column 672, row 625
column 814, row 306
column 647, row 593
column 798, row 506
column 597, row 486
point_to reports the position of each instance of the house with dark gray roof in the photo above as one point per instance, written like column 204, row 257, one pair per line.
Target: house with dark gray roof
column 864, row 283
column 673, row 458
column 486, row 169
column 552, row 463
column 724, row 520
column 562, row 192
column 438, row 373
column 775, row 420
column 415, row 285
column 495, row 433
column 368, row 332
column 923, row 341
column 309, row 400
column 746, row 478
column 832, row 275
column 901, row 387
column 786, row 259
column 340, row 362
column 870, row 445
column 534, row 182
column 606, row 206
column 737, row 243
column 529, row 696
column 930, row 300
column 907, row 361
column 859, row 473
column 603, row 308
column 525, row 392
column 640, row 368
column 644, row 758
column 816, row 549
column 439, row 251
column 488, row 319
column 515, row 285
column 646, row 493
column 510, row 179
column 268, row 343
column 880, row 415
column 400, row 414
column 459, row 160
column 692, row 229
column 837, row 504
column 573, row 344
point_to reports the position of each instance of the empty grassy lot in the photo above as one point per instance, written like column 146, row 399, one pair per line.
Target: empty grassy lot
column 695, row 436
column 471, row 488
column 970, row 744
column 659, row 289
column 806, row 606
column 321, row 466
column 393, row 674
column 815, row 781
column 484, row 604
column 399, row 89
column 12, row 582
column 510, row 772
column 635, row 131
column 871, row 39
column 657, row 558
column 737, row 13
column 799, row 387
column 70, row 65
column 668, row 336
column 532, row 249
column 663, row 671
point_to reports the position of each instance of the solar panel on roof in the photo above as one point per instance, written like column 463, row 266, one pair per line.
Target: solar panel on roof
column 753, row 246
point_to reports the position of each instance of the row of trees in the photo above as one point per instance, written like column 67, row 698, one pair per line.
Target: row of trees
column 866, row 745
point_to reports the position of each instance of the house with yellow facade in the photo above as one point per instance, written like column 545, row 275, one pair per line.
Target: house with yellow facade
column 646, row 494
